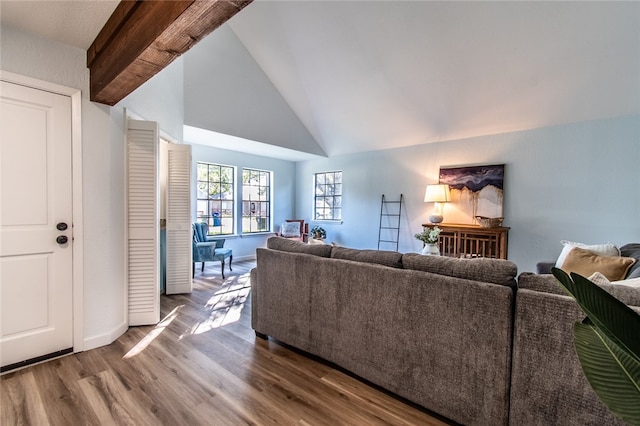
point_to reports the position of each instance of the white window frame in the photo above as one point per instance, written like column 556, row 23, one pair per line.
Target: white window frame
column 316, row 197
column 269, row 200
column 209, row 217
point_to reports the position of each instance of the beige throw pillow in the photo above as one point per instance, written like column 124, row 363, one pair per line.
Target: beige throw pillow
column 607, row 249
column 585, row 263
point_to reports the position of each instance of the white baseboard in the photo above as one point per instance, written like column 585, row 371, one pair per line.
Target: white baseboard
column 106, row 338
column 241, row 258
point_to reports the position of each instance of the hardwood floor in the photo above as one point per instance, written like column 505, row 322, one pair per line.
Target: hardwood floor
column 201, row 365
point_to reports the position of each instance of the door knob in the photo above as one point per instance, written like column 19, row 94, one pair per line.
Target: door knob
column 62, row 239
column 61, row 226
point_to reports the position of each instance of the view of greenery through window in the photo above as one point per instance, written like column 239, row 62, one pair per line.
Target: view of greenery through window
column 216, row 199
column 327, row 202
column 256, row 201
column 215, row 204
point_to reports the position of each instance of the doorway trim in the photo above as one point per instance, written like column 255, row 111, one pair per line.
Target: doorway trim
column 76, row 175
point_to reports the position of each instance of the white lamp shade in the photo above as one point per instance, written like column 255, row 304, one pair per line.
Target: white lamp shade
column 437, row 194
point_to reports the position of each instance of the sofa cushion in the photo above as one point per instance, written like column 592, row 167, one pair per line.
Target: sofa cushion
column 284, row 244
column 494, row 271
column 585, row 263
column 632, row 250
column 607, row 249
column 392, row 259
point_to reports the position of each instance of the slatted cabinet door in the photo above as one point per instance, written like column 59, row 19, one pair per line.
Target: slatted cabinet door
column 143, row 222
column 179, row 232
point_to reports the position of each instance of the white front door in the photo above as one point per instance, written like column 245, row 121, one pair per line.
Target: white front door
column 36, row 307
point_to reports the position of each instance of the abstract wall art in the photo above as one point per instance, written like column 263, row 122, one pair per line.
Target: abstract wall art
column 475, row 191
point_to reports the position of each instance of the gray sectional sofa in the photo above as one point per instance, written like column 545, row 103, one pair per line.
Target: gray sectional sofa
column 548, row 386
column 438, row 331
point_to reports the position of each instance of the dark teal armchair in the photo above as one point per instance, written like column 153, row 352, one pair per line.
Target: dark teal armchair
column 208, row 249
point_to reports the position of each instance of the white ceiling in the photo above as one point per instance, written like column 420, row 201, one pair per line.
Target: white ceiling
column 369, row 75
column 76, row 23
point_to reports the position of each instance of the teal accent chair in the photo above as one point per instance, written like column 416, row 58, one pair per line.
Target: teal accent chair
column 209, row 249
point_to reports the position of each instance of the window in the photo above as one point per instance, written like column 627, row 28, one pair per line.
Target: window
column 327, row 203
column 256, row 201
column 216, row 197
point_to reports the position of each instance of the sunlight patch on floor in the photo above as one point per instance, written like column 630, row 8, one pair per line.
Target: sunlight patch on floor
column 150, row 337
column 225, row 305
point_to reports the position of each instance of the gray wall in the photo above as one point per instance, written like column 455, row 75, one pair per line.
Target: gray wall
column 578, row 182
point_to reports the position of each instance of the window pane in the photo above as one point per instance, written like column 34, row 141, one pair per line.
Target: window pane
column 264, row 179
column 202, row 208
column 226, row 174
column 329, row 178
column 214, row 174
column 203, row 190
column 203, row 172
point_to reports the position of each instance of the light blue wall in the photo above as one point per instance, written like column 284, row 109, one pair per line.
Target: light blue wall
column 284, row 174
column 229, row 93
column 578, row 182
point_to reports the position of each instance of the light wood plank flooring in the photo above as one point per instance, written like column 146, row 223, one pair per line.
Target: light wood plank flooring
column 202, row 365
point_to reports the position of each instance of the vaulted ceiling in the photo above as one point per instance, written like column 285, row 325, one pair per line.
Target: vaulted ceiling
column 350, row 76
column 379, row 74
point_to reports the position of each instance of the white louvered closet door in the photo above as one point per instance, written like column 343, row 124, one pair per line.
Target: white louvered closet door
column 143, row 222
column 179, row 232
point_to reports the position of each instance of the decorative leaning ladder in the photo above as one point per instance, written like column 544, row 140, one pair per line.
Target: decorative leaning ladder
column 389, row 231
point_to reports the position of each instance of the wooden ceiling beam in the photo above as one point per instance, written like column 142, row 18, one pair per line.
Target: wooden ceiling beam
column 142, row 37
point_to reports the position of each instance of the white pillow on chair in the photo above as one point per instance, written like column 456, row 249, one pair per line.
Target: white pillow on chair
column 290, row 229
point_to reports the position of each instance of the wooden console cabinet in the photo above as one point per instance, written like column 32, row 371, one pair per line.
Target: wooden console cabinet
column 468, row 241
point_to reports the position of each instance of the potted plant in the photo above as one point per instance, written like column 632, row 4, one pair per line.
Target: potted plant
column 429, row 236
column 608, row 345
column 318, row 233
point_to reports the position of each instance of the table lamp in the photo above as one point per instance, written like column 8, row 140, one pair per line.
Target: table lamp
column 437, row 194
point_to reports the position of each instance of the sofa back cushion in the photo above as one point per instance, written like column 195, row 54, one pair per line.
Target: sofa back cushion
column 392, row 259
column 295, row 246
column 496, row 271
column 632, row 250
column 549, row 284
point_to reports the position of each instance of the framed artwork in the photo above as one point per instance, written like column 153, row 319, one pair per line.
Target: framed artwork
column 475, row 191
